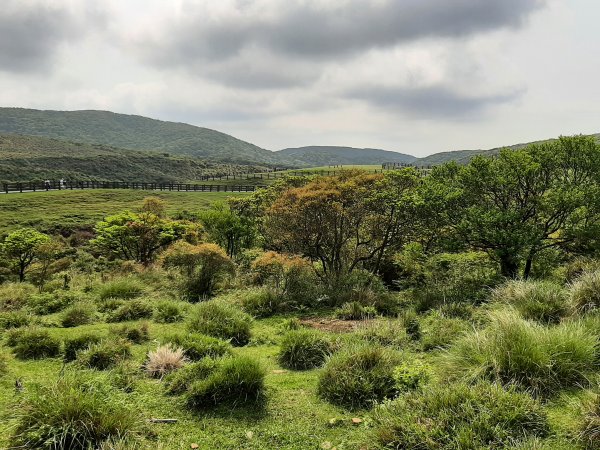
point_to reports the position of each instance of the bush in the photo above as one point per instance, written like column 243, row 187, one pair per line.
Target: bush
column 198, row 346
column 222, row 321
column 179, row 382
column 359, row 376
column 121, row 288
column 514, row 351
column 439, row 332
column 105, row 354
column 43, row 304
column 77, row 315
column 33, row 343
column 136, row 334
column 411, row 375
column 589, row 434
column 72, row 415
column 15, row 295
column 542, row 301
column 459, row 417
column 133, row 310
column 585, row 292
column 168, row 312
column 13, row 319
column 164, row 360
column 304, row 349
column 74, row 345
column 235, row 381
column 355, row 311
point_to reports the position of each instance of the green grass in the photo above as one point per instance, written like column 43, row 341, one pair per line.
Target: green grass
column 73, row 209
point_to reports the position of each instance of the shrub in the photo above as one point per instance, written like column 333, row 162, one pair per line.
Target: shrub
column 514, row 351
column 14, row 295
column 235, row 381
column 589, row 433
column 165, row 359
column 385, row 332
column 74, row 345
column 222, row 321
column 133, row 310
column 304, row 349
column 411, row 375
column 70, row 414
column 105, row 354
column 198, row 346
column 438, row 331
column 359, row 376
column 13, row 319
column 136, row 334
column 33, row 343
column 121, row 288
column 168, row 312
column 43, row 304
column 355, row 311
column 77, row 315
column 542, row 301
column 180, row 381
column 459, row 417
column 585, row 292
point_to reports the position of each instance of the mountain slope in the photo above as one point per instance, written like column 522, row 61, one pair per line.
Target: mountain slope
column 331, row 155
column 31, row 158
column 133, row 132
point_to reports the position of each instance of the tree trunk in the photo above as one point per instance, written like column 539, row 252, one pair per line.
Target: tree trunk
column 528, row 265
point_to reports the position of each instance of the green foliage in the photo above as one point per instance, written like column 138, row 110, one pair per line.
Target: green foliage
column 411, row 375
column 260, row 302
column 3, row 363
column 33, row 343
column 365, row 289
column 122, row 288
column 178, row 382
column 136, row 334
column 198, row 346
column 80, row 314
column 359, row 376
column 221, row 321
column 49, row 303
column 228, row 229
column 355, row 311
column 438, row 331
column 21, row 248
column 535, row 358
column 13, row 319
column 168, row 312
column 15, row 295
column 543, row 301
column 236, row 381
column 384, row 332
column 105, row 354
column 585, row 292
column 589, row 432
column 304, row 349
column 72, row 414
column 132, row 310
column 459, row 417
column 79, row 343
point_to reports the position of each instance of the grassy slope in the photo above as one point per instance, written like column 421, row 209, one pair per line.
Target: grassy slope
column 323, row 155
column 66, row 209
column 133, row 132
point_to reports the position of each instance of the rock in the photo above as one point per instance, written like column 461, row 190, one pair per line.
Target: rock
column 194, row 446
column 356, row 420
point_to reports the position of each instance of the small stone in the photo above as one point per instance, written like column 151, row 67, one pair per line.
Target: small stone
column 326, row 445
column 356, row 420
column 249, row 434
column 194, row 446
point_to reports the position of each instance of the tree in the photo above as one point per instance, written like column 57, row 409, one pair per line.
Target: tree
column 22, row 247
column 50, row 260
column 231, row 231
column 202, row 266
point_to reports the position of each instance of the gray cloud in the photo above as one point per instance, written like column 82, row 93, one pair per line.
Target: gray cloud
column 31, row 32
column 433, row 102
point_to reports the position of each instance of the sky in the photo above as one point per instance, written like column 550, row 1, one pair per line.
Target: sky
column 414, row 76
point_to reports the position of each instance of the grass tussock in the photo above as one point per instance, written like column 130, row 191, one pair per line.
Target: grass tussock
column 221, row 321
column 585, row 292
column 164, row 360
column 304, row 349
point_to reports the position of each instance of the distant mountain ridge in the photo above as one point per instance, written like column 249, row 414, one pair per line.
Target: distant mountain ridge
column 330, row 155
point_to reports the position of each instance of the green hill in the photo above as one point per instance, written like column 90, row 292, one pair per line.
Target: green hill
column 29, row 158
column 330, row 155
column 134, row 132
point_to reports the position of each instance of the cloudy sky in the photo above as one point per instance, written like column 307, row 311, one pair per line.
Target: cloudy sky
column 416, row 76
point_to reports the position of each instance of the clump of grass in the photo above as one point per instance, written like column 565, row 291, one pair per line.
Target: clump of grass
column 543, row 301
column 584, row 292
column 198, row 346
column 14, row 319
column 178, row 382
column 77, row 315
column 47, row 303
column 15, row 295
column 33, row 343
column 411, row 375
column 304, row 349
column 71, row 414
column 355, row 311
column 293, row 323
column 168, row 312
column 386, row 332
column 133, row 310
column 124, row 376
column 589, row 430
column 459, row 416
column 438, row 332
column 222, row 321
column 358, row 376
column 79, row 343
column 165, row 359
column 261, row 302
column 136, row 334
column 3, row 363
column 105, row 354
column 121, row 288
column 236, row 381
column 514, row 351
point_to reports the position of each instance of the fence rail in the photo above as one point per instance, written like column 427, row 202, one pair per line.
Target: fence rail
column 79, row 185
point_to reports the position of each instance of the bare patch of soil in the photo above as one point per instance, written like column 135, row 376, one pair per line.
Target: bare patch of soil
column 332, row 325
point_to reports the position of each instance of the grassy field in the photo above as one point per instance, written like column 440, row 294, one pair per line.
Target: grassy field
column 67, row 209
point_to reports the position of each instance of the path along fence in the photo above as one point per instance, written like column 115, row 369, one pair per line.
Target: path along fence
column 79, row 185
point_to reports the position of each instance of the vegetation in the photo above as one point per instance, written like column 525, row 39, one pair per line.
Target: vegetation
column 304, row 349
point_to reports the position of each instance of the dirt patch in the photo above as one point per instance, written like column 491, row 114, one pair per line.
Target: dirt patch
column 332, row 325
